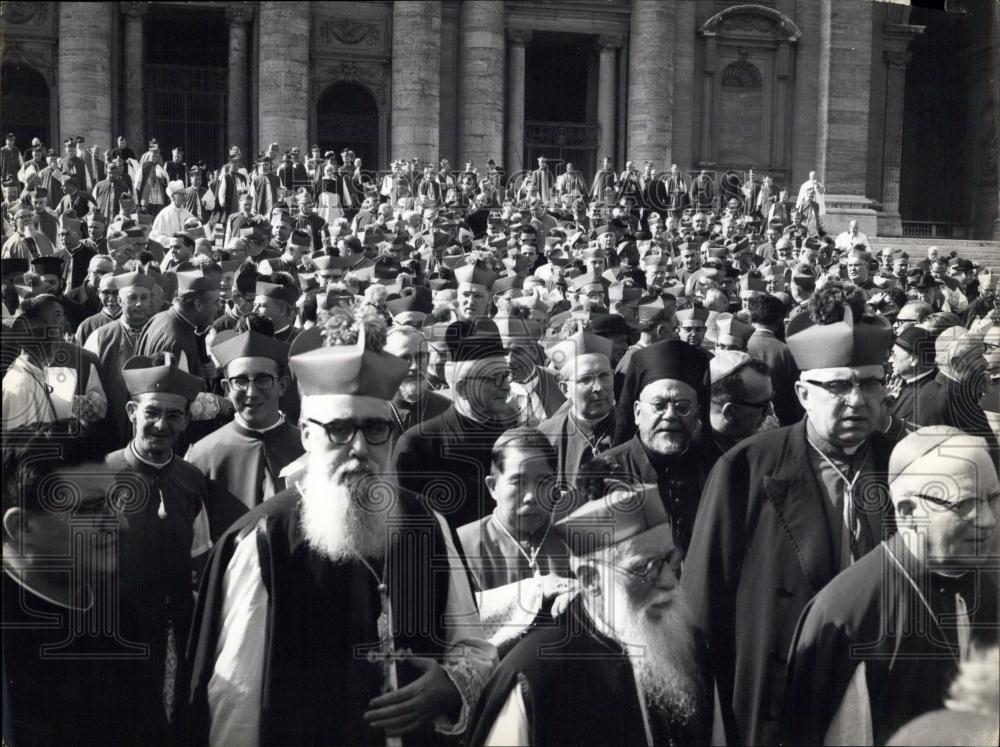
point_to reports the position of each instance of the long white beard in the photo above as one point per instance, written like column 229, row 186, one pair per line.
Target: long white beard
column 666, row 669
column 345, row 516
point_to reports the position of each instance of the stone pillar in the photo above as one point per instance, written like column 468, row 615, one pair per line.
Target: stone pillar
column 135, row 58
column 606, row 95
column 845, row 52
column 84, row 72
column 283, row 80
column 514, row 160
column 890, row 223
column 416, row 86
column 482, row 49
column 650, row 82
column 238, row 124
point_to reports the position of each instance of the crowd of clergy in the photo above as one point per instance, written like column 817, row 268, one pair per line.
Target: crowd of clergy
column 295, row 452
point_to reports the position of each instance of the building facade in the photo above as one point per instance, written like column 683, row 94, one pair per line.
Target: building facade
column 895, row 108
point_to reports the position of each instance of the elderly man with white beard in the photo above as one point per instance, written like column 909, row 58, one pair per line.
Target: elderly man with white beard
column 622, row 665
column 324, row 617
column 414, row 402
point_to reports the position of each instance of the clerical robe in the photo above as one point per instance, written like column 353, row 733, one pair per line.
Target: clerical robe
column 869, row 656
column 169, row 221
column 114, row 344
column 265, row 193
column 582, row 691
column 286, row 640
column 576, row 443
column 243, row 467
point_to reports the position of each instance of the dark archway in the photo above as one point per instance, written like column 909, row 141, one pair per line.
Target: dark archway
column 347, row 117
column 25, row 104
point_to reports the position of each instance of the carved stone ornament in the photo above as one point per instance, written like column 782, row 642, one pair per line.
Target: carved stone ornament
column 371, row 74
column 519, row 37
column 350, row 32
column 753, row 20
column 36, row 56
column 17, row 12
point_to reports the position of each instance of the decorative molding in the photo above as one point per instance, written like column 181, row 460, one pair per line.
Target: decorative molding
column 609, row 43
column 239, row 15
column 134, row 10
column 20, row 12
column 519, row 37
column 373, row 75
column 897, row 57
column 561, row 134
column 38, row 55
column 751, row 20
column 348, row 32
column 741, row 74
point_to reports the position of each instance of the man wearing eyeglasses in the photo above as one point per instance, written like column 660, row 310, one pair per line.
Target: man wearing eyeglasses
column 785, row 510
column 623, row 664
column 670, row 379
column 243, row 459
column 322, row 588
column 881, row 644
column 741, row 399
column 110, row 308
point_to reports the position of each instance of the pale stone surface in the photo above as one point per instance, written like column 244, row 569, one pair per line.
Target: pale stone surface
column 239, row 19
column 85, row 72
column 650, row 82
column 135, row 124
column 416, row 80
column 482, row 47
column 606, row 88
column 514, row 161
column 283, row 53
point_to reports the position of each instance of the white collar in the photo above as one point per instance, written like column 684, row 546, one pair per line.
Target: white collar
column 154, row 465
column 243, row 424
column 918, row 377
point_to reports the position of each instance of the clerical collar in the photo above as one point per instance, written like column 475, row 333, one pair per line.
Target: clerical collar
column 128, row 327
column 155, row 465
column 589, row 425
column 918, row 377
column 238, row 419
column 193, row 325
column 282, row 330
column 16, row 578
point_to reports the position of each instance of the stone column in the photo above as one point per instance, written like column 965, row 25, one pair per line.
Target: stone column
column 514, row 161
column 238, row 124
column 135, row 58
column 606, row 95
column 845, row 52
column 482, row 49
column 416, row 86
column 890, row 223
column 84, row 72
column 650, row 82
column 283, row 79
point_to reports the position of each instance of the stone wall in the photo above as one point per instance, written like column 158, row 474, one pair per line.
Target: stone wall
column 283, row 74
column 85, row 71
column 416, row 79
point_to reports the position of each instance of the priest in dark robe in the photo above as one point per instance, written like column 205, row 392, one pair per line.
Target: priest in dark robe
column 107, row 192
column 671, row 385
column 786, row 510
column 623, row 664
column 880, row 645
column 70, row 675
column 519, row 565
column 243, row 459
column 162, row 497
column 325, row 617
column 917, row 391
column 584, row 428
column 414, row 402
column 199, row 200
column 114, row 344
column 446, row 459
column 265, row 188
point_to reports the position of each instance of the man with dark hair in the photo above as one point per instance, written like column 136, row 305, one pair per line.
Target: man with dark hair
column 519, row 565
column 77, row 678
column 767, row 315
column 243, row 459
column 741, row 398
column 179, row 251
column 275, row 299
column 917, row 392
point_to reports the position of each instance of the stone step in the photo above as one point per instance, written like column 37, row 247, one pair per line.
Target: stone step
column 926, row 241
column 983, row 253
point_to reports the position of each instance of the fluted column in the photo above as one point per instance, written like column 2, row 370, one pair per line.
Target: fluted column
column 514, row 161
column 606, row 92
column 84, row 71
column 481, row 43
column 135, row 58
column 283, row 79
column 650, row 82
column 890, row 223
column 238, row 124
column 416, row 79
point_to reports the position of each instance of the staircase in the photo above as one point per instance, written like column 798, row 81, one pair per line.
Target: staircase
column 984, row 253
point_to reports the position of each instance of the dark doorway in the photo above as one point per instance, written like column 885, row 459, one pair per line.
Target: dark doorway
column 559, row 110
column 185, row 81
column 347, row 117
column 24, row 106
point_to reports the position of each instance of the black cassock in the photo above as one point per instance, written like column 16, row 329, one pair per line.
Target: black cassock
column 872, row 615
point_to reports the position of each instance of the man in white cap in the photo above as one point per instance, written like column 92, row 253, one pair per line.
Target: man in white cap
column 880, row 644
column 170, row 220
column 623, row 664
column 328, row 586
column 784, row 511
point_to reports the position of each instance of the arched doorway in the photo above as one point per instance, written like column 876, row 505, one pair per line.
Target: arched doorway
column 347, row 117
column 24, row 106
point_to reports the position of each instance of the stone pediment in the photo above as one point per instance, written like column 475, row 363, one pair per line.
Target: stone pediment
column 751, row 21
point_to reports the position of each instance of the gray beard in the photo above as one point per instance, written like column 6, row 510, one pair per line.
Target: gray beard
column 338, row 518
column 667, row 670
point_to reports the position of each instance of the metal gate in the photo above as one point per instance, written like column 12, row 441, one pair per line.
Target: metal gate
column 186, row 107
